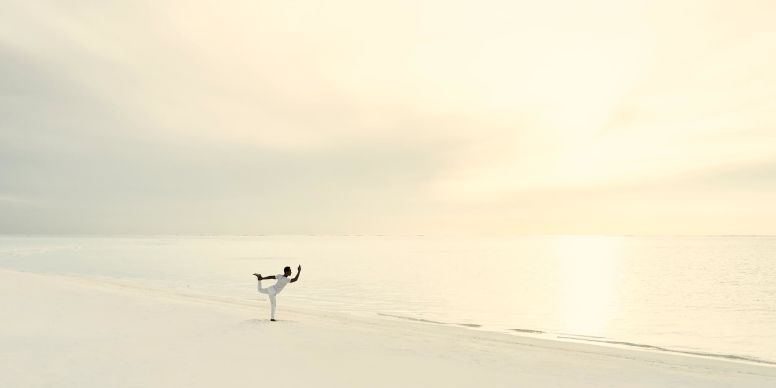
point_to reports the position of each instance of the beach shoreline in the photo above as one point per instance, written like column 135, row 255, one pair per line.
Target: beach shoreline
column 64, row 330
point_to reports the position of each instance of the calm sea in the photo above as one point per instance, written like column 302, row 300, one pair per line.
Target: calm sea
column 703, row 295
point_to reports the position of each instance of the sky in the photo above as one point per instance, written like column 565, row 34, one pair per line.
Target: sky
column 387, row 117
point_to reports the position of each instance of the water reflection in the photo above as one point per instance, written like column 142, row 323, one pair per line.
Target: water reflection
column 588, row 268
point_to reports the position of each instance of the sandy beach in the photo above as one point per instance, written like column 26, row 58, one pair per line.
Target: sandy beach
column 74, row 331
column 482, row 194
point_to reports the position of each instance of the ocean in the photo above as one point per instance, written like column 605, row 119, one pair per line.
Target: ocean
column 712, row 296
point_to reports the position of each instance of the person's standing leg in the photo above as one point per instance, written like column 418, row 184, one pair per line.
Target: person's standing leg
column 270, row 291
column 273, row 303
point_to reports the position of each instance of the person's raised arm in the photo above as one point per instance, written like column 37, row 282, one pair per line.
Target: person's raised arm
column 258, row 276
column 298, row 271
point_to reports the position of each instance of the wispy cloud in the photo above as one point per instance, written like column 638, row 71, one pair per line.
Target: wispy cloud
column 10, row 199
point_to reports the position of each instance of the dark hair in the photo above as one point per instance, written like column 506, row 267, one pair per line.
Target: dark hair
column 287, row 269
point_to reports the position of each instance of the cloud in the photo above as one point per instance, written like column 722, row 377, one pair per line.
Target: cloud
column 392, row 116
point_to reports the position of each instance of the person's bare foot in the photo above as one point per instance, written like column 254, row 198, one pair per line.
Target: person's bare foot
column 273, row 320
column 257, row 275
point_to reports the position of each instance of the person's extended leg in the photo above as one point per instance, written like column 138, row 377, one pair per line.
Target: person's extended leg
column 273, row 303
column 261, row 290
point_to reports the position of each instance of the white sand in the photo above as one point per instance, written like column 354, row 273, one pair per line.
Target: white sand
column 60, row 331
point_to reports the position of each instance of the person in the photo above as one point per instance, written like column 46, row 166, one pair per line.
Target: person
column 275, row 289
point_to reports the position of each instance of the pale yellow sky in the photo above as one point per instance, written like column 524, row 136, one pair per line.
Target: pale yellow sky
column 388, row 117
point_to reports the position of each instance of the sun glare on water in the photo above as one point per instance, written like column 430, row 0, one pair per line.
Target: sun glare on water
column 588, row 268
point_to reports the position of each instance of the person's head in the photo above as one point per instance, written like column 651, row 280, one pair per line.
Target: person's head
column 287, row 271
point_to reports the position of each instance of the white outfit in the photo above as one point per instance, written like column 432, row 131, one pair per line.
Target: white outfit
column 273, row 290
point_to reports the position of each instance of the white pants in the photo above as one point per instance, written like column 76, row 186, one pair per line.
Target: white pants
column 271, row 292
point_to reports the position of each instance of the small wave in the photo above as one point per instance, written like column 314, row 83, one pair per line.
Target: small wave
column 580, row 335
column 601, row 340
column 733, row 357
column 528, row 331
column 471, row 325
column 414, row 319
